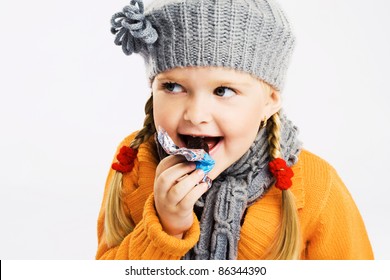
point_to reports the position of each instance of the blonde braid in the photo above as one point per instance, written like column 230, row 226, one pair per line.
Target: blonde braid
column 287, row 244
column 149, row 129
column 273, row 129
column 116, row 224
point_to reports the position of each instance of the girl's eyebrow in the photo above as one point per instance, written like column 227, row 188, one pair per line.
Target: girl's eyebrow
column 168, row 77
column 215, row 82
column 230, row 83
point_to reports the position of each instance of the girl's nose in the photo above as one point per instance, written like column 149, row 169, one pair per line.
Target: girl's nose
column 197, row 110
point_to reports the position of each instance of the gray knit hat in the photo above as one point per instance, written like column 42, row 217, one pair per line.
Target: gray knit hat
column 253, row 36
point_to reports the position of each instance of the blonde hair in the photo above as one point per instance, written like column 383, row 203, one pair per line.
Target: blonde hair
column 117, row 225
column 287, row 245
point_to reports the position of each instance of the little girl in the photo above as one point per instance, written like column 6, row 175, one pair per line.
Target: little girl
column 217, row 70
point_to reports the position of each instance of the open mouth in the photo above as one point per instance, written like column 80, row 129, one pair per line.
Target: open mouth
column 200, row 142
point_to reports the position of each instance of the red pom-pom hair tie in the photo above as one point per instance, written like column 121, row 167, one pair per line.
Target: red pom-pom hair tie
column 125, row 159
column 282, row 173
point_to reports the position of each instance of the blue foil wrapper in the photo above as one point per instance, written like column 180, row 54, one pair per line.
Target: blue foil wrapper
column 202, row 159
column 206, row 164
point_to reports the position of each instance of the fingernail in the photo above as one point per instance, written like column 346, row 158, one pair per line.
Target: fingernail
column 209, row 182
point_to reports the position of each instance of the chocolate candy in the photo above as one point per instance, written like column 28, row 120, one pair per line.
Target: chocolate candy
column 197, row 143
column 199, row 154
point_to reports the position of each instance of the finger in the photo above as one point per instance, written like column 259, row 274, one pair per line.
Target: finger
column 182, row 177
column 188, row 202
column 169, row 177
column 167, row 162
column 178, row 191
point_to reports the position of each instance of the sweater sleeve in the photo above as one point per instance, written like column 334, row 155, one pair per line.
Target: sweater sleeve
column 147, row 240
column 339, row 232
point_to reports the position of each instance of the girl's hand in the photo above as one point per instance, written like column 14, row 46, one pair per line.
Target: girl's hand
column 176, row 189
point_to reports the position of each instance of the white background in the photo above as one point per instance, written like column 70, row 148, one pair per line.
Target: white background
column 69, row 96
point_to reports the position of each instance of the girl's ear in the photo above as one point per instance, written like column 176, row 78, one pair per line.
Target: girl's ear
column 273, row 103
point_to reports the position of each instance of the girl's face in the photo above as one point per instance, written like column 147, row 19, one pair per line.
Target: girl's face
column 222, row 105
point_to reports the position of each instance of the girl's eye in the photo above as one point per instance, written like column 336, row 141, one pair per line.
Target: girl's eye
column 224, row 92
column 172, row 87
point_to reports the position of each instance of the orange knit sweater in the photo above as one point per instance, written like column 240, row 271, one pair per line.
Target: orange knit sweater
column 331, row 225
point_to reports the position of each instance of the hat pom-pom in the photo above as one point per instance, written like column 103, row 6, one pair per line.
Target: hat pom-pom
column 132, row 29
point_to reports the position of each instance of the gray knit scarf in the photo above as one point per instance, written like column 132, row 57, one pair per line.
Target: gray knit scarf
column 222, row 207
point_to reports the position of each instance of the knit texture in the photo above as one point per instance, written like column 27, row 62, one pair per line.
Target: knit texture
column 330, row 223
column 253, row 36
column 132, row 29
